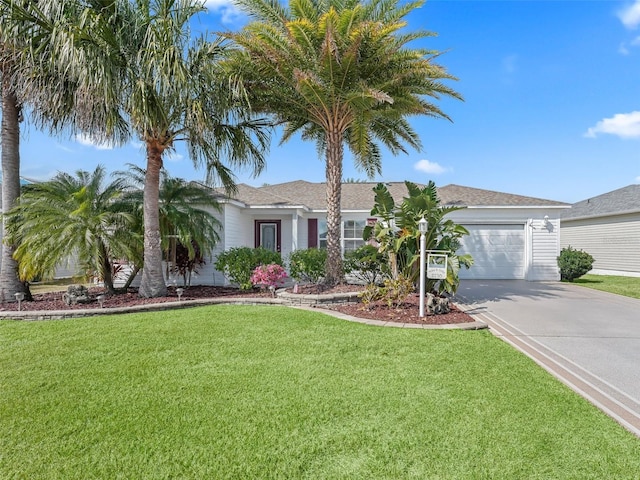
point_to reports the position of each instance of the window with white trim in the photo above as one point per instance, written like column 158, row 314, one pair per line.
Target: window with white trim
column 322, row 234
column 351, row 234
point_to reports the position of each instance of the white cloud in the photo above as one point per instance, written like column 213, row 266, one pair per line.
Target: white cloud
column 227, row 10
column 622, row 49
column 623, row 125
column 87, row 141
column 64, row 148
column 638, row 179
column 215, row 4
column 429, row 167
column 174, row 157
column 630, row 15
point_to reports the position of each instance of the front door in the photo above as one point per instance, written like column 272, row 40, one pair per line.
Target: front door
column 267, row 233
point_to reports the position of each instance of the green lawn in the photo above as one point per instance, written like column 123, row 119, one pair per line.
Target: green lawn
column 269, row 392
column 58, row 285
column 627, row 286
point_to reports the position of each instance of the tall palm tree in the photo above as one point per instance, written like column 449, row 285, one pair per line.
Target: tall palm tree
column 341, row 73
column 154, row 82
column 71, row 217
column 28, row 77
column 10, row 141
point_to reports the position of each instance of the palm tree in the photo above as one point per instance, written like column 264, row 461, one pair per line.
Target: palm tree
column 71, row 218
column 156, row 83
column 340, row 73
column 27, row 76
column 10, row 140
column 185, row 212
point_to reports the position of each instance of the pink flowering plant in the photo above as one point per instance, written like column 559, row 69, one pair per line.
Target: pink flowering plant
column 270, row 276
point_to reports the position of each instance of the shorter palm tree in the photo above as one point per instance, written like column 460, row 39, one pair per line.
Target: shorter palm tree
column 185, row 214
column 71, row 218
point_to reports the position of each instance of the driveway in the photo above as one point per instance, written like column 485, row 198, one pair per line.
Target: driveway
column 590, row 340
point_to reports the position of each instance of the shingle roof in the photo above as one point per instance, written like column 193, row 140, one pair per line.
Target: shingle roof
column 623, row 200
column 468, row 196
column 360, row 196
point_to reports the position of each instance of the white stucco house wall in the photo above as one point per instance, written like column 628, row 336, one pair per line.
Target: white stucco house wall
column 608, row 228
column 511, row 236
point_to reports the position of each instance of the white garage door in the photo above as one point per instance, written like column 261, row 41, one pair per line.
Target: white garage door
column 497, row 250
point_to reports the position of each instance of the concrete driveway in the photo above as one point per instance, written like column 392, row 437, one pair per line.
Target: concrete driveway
column 590, row 340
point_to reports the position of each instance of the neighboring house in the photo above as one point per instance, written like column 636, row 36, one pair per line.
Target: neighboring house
column 608, row 228
column 511, row 236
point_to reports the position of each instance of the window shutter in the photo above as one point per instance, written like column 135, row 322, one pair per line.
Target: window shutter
column 312, row 233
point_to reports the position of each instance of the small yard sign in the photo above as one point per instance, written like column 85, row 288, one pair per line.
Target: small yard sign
column 437, row 266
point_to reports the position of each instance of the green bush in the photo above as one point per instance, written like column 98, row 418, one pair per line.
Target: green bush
column 574, row 263
column 308, row 265
column 394, row 292
column 238, row 263
column 367, row 264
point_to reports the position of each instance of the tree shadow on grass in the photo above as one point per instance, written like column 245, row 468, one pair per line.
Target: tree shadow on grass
column 585, row 281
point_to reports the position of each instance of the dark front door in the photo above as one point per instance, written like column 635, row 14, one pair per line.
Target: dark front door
column 267, row 234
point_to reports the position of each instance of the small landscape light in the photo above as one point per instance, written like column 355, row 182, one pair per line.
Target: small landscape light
column 101, row 299
column 179, row 291
column 19, row 297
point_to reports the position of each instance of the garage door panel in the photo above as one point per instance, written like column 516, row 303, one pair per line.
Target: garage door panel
column 497, row 250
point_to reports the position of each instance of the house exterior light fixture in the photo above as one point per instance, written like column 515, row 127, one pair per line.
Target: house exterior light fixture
column 423, row 226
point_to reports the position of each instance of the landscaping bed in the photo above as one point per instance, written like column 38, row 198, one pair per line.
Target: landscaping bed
column 406, row 313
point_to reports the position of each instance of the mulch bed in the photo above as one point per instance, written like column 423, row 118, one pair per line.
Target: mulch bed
column 407, row 313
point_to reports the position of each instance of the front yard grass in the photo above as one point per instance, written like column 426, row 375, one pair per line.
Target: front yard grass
column 270, row 392
column 627, row 286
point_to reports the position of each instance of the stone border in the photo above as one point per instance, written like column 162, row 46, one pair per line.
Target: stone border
column 318, row 299
column 476, row 325
column 151, row 307
column 310, row 303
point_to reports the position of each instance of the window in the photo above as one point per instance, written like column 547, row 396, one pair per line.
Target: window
column 322, row 234
column 351, row 234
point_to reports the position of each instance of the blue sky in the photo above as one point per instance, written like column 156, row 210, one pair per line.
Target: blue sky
column 551, row 110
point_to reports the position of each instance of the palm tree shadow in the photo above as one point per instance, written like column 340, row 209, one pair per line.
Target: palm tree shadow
column 473, row 292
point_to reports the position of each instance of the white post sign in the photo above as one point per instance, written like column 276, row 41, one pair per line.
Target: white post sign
column 437, row 266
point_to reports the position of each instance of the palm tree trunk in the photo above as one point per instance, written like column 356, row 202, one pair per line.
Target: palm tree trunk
column 334, row 270
column 131, row 278
column 9, row 281
column 107, row 269
column 152, row 283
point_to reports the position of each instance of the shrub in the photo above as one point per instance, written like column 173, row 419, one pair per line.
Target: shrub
column 574, row 263
column 308, row 265
column 271, row 275
column 238, row 263
column 367, row 264
column 184, row 265
column 394, row 292
column 370, row 294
